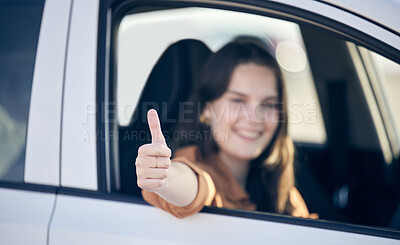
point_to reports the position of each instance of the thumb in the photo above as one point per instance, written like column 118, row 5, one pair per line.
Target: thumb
column 155, row 128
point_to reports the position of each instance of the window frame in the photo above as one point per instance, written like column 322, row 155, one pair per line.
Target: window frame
column 111, row 13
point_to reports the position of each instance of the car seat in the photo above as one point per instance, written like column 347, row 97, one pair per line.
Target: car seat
column 170, row 82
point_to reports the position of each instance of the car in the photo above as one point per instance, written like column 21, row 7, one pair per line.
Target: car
column 78, row 76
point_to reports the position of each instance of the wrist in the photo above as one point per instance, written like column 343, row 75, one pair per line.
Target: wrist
column 181, row 185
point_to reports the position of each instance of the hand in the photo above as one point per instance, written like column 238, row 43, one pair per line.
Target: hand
column 153, row 161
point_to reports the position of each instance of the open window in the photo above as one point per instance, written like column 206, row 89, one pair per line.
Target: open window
column 344, row 150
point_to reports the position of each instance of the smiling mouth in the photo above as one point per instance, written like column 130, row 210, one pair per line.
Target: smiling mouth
column 248, row 135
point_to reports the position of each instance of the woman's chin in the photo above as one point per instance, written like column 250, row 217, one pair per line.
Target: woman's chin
column 245, row 155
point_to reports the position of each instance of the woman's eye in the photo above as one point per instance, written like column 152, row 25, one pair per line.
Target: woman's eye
column 237, row 101
column 269, row 105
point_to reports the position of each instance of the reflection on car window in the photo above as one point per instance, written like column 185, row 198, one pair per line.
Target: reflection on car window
column 19, row 31
column 389, row 76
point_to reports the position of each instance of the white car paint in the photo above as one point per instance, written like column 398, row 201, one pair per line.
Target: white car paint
column 91, row 221
column 24, row 216
column 346, row 18
column 78, row 157
column 42, row 165
column 383, row 12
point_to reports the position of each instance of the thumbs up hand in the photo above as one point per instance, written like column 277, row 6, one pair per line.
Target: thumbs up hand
column 153, row 161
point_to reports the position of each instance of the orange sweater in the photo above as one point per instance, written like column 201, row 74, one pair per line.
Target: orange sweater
column 216, row 187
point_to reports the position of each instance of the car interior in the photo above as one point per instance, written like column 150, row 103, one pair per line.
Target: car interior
column 345, row 179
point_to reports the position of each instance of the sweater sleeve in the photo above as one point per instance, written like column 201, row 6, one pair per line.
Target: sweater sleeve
column 204, row 197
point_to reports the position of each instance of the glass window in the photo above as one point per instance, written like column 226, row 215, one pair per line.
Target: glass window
column 389, row 75
column 19, row 32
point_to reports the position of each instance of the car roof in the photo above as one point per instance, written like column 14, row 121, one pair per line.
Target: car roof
column 385, row 13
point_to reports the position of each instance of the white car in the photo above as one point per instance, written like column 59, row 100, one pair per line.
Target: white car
column 77, row 77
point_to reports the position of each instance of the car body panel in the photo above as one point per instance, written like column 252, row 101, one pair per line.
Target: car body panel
column 347, row 19
column 24, row 216
column 382, row 12
column 81, row 220
column 78, row 159
column 44, row 126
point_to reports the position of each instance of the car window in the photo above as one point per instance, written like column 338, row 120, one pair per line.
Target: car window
column 306, row 122
column 389, row 76
column 19, row 31
column 338, row 146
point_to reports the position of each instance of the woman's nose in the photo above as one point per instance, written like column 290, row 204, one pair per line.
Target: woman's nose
column 253, row 115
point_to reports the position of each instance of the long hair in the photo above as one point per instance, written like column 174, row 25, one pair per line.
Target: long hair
column 271, row 174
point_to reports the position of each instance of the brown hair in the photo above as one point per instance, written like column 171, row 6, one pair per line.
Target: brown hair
column 271, row 174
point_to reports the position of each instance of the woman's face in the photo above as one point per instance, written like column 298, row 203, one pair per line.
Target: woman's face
column 245, row 117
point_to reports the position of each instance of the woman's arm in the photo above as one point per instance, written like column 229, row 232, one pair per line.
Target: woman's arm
column 181, row 185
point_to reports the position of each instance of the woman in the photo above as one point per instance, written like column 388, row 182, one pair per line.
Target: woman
column 247, row 163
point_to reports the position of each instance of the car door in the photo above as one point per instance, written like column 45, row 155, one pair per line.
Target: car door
column 90, row 206
column 33, row 42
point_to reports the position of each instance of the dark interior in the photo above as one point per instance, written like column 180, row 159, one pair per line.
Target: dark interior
column 19, row 35
column 350, row 168
column 345, row 179
column 175, row 72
